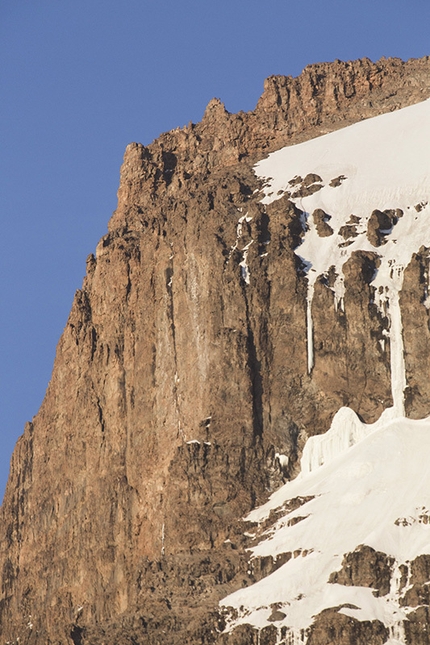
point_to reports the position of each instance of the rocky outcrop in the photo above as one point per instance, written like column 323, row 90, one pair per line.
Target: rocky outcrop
column 182, row 373
column 365, row 567
column 333, row 627
column 416, row 333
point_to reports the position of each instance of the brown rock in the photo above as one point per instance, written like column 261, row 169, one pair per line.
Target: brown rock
column 321, row 220
column 332, row 628
column 337, row 181
column 420, row 570
column 381, row 224
column 176, row 382
column 348, row 356
column 416, row 627
column 365, row 567
column 416, row 334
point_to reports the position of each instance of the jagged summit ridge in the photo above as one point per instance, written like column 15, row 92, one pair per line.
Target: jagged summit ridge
column 325, row 97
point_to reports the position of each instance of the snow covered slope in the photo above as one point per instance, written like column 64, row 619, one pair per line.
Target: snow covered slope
column 364, row 188
column 377, row 494
column 380, row 164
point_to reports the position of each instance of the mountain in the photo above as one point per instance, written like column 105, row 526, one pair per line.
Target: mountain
column 352, row 531
column 251, row 341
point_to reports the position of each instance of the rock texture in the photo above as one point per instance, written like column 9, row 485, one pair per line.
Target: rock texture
column 176, row 383
column 366, row 567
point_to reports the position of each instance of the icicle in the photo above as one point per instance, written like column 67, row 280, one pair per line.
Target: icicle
column 244, row 268
column 295, row 637
column 339, row 293
column 398, row 378
column 426, row 301
column 389, row 304
column 345, row 431
column 162, row 540
column 310, row 326
column 397, row 630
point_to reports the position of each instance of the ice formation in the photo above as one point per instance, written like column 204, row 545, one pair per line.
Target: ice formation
column 380, row 164
column 244, row 268
column 350, row 475
column 356, row 498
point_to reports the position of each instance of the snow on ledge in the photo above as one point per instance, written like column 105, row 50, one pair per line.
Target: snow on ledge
column 375, row 492
column 345, row 431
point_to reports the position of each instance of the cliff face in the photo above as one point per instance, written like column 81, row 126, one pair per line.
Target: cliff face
column 181, row 379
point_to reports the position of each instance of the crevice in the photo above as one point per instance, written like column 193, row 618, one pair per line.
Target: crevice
column 93, row 342
column 254, row 365
column 128, row 286
column 100, row 414
column 76, row 635
column 171, row 317
column 170, row 162
column 263, row 233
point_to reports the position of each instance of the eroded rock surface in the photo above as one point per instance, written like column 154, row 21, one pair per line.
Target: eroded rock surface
column 182, row 373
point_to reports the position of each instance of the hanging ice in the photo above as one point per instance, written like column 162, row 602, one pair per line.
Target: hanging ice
column 384, row 163
column 350, row 490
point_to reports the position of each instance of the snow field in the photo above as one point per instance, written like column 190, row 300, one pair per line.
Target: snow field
column 368, row 484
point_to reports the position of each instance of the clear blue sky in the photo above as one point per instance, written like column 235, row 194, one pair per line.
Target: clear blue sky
column 81, row 79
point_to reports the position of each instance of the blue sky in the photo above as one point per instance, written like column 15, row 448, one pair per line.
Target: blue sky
column 79, row 80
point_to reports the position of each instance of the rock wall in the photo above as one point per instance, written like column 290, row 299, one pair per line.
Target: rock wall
column 182, row 376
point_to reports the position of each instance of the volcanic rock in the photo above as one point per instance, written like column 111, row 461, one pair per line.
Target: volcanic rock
column 176, row 383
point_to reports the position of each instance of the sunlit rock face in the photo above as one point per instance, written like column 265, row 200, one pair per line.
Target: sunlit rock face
column 355, row 480
column 249, row 320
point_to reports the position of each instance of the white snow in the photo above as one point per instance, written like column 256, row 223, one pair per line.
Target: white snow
column 244, row 264
column 359, row 497
column 365, row 484
column 282, row 460
column 381, row 158
column 386, row 165
column 244, row 268
column 345, row 431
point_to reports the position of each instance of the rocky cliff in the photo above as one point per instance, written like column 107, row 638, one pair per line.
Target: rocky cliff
column 181, row 394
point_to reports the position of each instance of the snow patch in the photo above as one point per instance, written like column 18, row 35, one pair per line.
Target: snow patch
column 282, row 460
column 360, row 484
column 345, row 431
column 357, row 497
column 244, row 268
column 384, row 163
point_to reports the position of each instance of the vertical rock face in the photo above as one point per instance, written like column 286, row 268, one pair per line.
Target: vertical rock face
column 180, row 395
